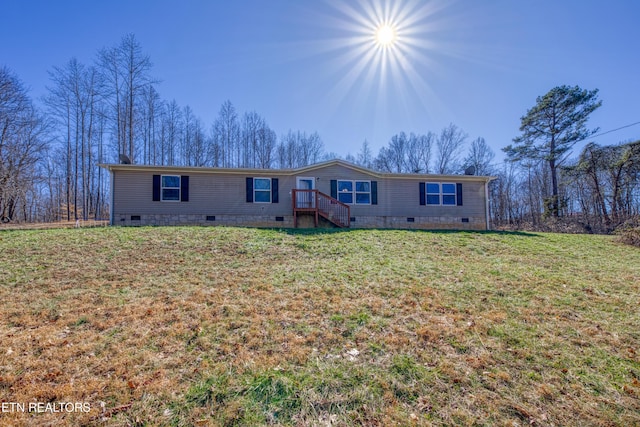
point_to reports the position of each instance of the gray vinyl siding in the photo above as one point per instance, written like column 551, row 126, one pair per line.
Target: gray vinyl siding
column 209, row 194
column 399, row 196
column 404, row 199
column 214, row 192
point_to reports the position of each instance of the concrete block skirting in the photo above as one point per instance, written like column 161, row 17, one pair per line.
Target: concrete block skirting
column 420, row 222
column 204, row 220
column 304, row 221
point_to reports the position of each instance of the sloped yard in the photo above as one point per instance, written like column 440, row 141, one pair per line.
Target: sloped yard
column 231, row 326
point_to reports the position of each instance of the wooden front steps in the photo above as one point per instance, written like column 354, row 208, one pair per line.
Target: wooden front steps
column 320, row 205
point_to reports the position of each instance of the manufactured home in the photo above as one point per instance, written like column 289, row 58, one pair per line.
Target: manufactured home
column 328, row 194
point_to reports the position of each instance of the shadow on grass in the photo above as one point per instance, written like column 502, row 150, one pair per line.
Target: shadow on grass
column 323, row 231
column 298, row 231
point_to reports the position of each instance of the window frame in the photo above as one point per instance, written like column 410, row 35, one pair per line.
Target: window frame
column 163, row 187
column 354, row 191
column 255, row 190
column 441, row 194
column 427, row 193
column 449, row 194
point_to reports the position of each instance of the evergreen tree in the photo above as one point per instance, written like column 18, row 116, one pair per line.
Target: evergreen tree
column 551, row 128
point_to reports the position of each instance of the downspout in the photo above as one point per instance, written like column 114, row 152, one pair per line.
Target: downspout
column 486, row 201
column 111, row 208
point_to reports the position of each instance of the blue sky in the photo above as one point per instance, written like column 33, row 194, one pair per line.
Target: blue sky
column 312, row 65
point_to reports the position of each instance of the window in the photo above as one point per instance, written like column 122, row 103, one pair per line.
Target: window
column 345, row 191
column 363, row 192
column 358, row 192
column 433, row 193
column 262, row 190
column 449, row 194
column 170, row 189
column 441, row 194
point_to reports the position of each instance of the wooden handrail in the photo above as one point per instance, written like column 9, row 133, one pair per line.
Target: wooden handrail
column 322, row 205
column 334, row 210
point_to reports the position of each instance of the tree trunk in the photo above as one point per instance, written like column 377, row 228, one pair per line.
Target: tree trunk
column 555, row 201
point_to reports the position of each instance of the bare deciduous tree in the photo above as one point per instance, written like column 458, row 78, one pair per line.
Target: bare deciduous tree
column 298, row 149
column 226, row 136
column 365, row 155
column 406, row 154
column 125, row 71
column 419, row 153
column 264, row 152
column 480, row 156
column 73, row 100
column 449, row 144
column 22, row 145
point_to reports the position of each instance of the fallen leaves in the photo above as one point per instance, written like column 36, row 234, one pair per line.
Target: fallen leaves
column 135, row 317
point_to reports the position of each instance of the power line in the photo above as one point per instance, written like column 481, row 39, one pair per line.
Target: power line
column 613, row 130
column 597, row 135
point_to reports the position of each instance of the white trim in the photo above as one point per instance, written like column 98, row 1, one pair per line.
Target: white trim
column 440, row 193
column 305, row 200
column 305, row 178
column 179, row 187
column 455, row 193
column 426, row 194
column 270, row 189
column 354, row 192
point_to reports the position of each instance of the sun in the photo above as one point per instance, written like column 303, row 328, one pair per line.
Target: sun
column 380, row 56
column 385, row 35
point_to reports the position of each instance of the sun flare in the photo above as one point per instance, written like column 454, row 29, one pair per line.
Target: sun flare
column 380, row 53
column 385, row 35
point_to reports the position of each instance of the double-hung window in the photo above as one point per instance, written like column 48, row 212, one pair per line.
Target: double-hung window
column 262, row 190
column 170, row 188
column 448, row 194
column 363, row 192
column 354, row 192
column 433, row 193
column 345, row 192
column 441, row 193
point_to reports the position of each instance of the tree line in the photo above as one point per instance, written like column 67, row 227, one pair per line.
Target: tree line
column 544, row 185
column 597, row 192
column 111, row 111
column 541, row 185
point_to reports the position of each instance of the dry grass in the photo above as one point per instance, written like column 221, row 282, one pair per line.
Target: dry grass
column 629, row 232
column 226, row 326
column 49, row 225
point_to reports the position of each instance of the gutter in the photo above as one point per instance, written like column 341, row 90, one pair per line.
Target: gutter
column 290, row 172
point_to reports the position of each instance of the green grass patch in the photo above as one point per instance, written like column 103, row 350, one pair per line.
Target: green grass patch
column 231, row 326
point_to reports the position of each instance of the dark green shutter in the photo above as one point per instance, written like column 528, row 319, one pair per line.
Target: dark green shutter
column 374, row 192
column 459, row 194
column 334, row 188
column 184, row 188
column 156, row 188
column 423, row 194
column 249, row 190
column 274, row 190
